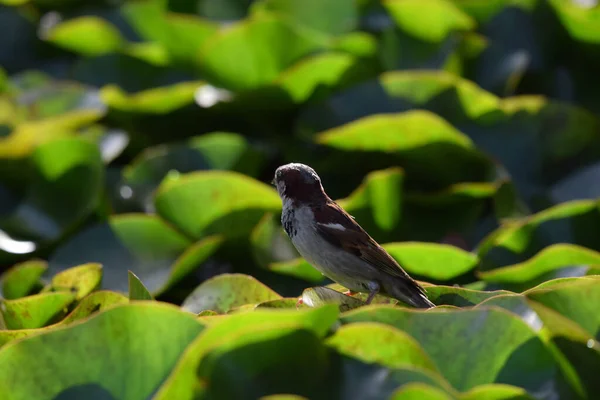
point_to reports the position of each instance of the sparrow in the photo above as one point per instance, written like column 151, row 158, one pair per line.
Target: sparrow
column 335, row 244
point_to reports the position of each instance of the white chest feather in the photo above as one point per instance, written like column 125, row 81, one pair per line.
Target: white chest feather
column 332, row 262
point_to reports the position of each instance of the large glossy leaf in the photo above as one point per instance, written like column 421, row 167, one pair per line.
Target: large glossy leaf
column 458, row 296
column 227, row 291
column 579, row 20
column 262, row 47
column 153, row 101
column 88, row 35
column 96, row 301
column 21, row 279
column 120, row 356
column 496, row 392
column 80, row 280
column 35, row 311
column 141, row 243
column 436, row 261
column 460, row 344
column 577, row 300
column 441, row 19
column 315, row 77
column 333, row 17
column 380, row 343
column 233, row 203
column 415, row 139
column 576, row 222
column 378, row 200
column 92, row 303
column 217, row 150
column 183, row 380
column 549, row 259
column 298, row 268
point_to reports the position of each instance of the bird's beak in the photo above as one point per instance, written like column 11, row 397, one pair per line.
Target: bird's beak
column 273, row 181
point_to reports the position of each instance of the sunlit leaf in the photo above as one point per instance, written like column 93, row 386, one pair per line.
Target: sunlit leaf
column 501, row 345
column 262, row 47
column 35, row 311
column 227, row 291
column 441, row 19
column 234, row 203
column 87, row 35
column 137, row 290
column 21, row 279
column 119, row 355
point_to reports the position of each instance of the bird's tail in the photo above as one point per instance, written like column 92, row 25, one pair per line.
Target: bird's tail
column 409, row 292
column 420, row 300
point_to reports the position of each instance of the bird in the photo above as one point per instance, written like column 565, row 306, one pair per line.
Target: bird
column 333, row 242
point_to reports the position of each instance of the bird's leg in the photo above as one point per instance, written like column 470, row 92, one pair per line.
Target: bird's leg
column 373, row 290
column 299, row 302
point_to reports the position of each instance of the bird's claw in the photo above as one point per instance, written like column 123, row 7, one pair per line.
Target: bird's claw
column 299, row 302
column 349, row 293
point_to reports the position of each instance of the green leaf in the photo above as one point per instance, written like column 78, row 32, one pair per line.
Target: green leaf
column 254, row 362
column 549, row 259
column 227, row 291
column 262, row 48
column 332, row 17
column 496, row 392
column 581, row 22
column 379, row 198
column 298, row 268
column 35, row 311
column 161, row 100
column 234, row 203
column 419, row 391
column 216, row 150
column 575, row 222
column 432, row 260
column 87, row 35
column 458, row 296
column 137, row 290
column 575, row 351
column 228, row 329
column 185, row 34
column 144, row 244
column 576, row 300
column 279, row 303
column 119, row 340
column 502, row 347
column 442, row 18
column 22, row 279
column 80, row 280
column 315, row 77
column 378, row 343
column 425, row 139
column 92, row 303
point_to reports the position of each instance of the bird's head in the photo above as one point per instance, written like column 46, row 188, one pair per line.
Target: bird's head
column 298, row 183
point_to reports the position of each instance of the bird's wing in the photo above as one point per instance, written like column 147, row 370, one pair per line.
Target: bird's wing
column 340, row 229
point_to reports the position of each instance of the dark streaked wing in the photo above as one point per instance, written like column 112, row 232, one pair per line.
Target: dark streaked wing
column 339, row 228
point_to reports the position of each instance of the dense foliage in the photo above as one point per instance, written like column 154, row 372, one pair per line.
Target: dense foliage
column 140, row 238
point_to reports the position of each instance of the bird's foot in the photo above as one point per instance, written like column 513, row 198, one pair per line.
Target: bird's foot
column 349, row 293
column 299, row 302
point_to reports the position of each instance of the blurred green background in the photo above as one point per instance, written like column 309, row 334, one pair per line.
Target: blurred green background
column 464, row 135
